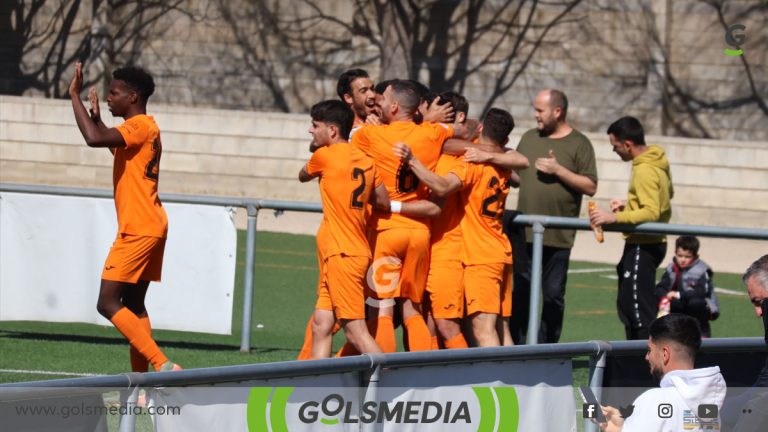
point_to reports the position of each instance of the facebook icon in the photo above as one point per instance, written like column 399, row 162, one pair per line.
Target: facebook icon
column 589, row 410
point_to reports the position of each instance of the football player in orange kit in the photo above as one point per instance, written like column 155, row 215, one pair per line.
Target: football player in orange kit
column 445, row 277
column 401, row 243
column 348, row 180
column 486, row 251
column 356, row 89
column 136, row 256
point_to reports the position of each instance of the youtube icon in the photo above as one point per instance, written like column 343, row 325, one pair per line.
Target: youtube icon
column 707, row 411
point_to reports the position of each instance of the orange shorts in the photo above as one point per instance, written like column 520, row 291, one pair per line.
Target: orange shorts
column 133, row 258
column 482, row 287
column 445, row 285
column 323, row 296
column 340, row 286
column 400, row 264
column 506, row 292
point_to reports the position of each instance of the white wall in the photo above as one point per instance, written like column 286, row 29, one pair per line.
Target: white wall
column 258, row 155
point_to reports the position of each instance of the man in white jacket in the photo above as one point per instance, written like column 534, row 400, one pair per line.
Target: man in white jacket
column 688, row 399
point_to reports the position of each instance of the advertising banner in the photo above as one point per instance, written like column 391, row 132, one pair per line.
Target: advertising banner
column 336, row 402
column 53, row 248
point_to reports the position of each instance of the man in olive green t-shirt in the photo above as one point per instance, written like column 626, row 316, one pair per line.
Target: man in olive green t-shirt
column 562, row 169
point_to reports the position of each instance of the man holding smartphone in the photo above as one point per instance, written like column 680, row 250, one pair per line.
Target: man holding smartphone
column 686, row 396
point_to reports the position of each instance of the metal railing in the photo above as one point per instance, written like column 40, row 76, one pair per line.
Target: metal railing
column 538, row 223
column 252, row 207
column 369, row 365
column 541, row 223
column 596, row 350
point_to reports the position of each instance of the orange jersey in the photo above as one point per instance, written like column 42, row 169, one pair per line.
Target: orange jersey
column 447, row 242
column 426, row 143
column 484, row 191
column 356, row 124
column 347, row 179
column 134, row 176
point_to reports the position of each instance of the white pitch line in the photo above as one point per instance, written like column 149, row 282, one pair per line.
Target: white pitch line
column 717, row 289
column 592, row 270
column 730, row 292
column 42, row 372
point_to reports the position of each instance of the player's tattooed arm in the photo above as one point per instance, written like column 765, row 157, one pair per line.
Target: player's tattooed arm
column 440, row 185
column 304, row 175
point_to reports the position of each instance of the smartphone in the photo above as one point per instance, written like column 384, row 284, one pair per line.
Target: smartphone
column 589, row 398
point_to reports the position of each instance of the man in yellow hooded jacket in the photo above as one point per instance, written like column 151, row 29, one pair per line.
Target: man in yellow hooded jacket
column 648, row 200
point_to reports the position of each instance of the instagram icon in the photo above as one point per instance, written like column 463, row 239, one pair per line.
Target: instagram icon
column 665, row 410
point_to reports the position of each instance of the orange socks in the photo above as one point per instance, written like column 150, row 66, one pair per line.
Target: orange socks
column 138, row 361
column 419, row 338
column 457, row 341
column 132, row 328
column 385, row 334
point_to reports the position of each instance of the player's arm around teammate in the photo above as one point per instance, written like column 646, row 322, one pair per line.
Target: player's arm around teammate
column 509, row 159
column 483, row 322
column 481, row 221
column 485, row 153
column 440, row 185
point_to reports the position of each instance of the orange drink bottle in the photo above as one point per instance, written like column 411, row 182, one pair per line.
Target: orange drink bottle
column 596, row 229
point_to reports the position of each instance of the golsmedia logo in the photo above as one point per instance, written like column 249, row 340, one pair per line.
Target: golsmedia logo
column 334, row 406
column 383, row 276
column 268, row 410
column 734, row 36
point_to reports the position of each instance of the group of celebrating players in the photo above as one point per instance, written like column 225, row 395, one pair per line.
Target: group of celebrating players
column 413, row 193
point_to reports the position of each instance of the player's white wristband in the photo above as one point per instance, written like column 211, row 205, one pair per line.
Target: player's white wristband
column 395, row 206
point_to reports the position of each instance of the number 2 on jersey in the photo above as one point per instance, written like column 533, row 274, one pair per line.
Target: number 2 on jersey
column 357, row 203
column 152, row 171
column 493, row 205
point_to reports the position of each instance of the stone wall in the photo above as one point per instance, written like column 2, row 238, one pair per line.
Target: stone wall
column 259, row 154
column 610, row 57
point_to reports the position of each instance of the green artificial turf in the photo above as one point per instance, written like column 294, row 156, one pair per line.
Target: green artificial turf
column 284, row 294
